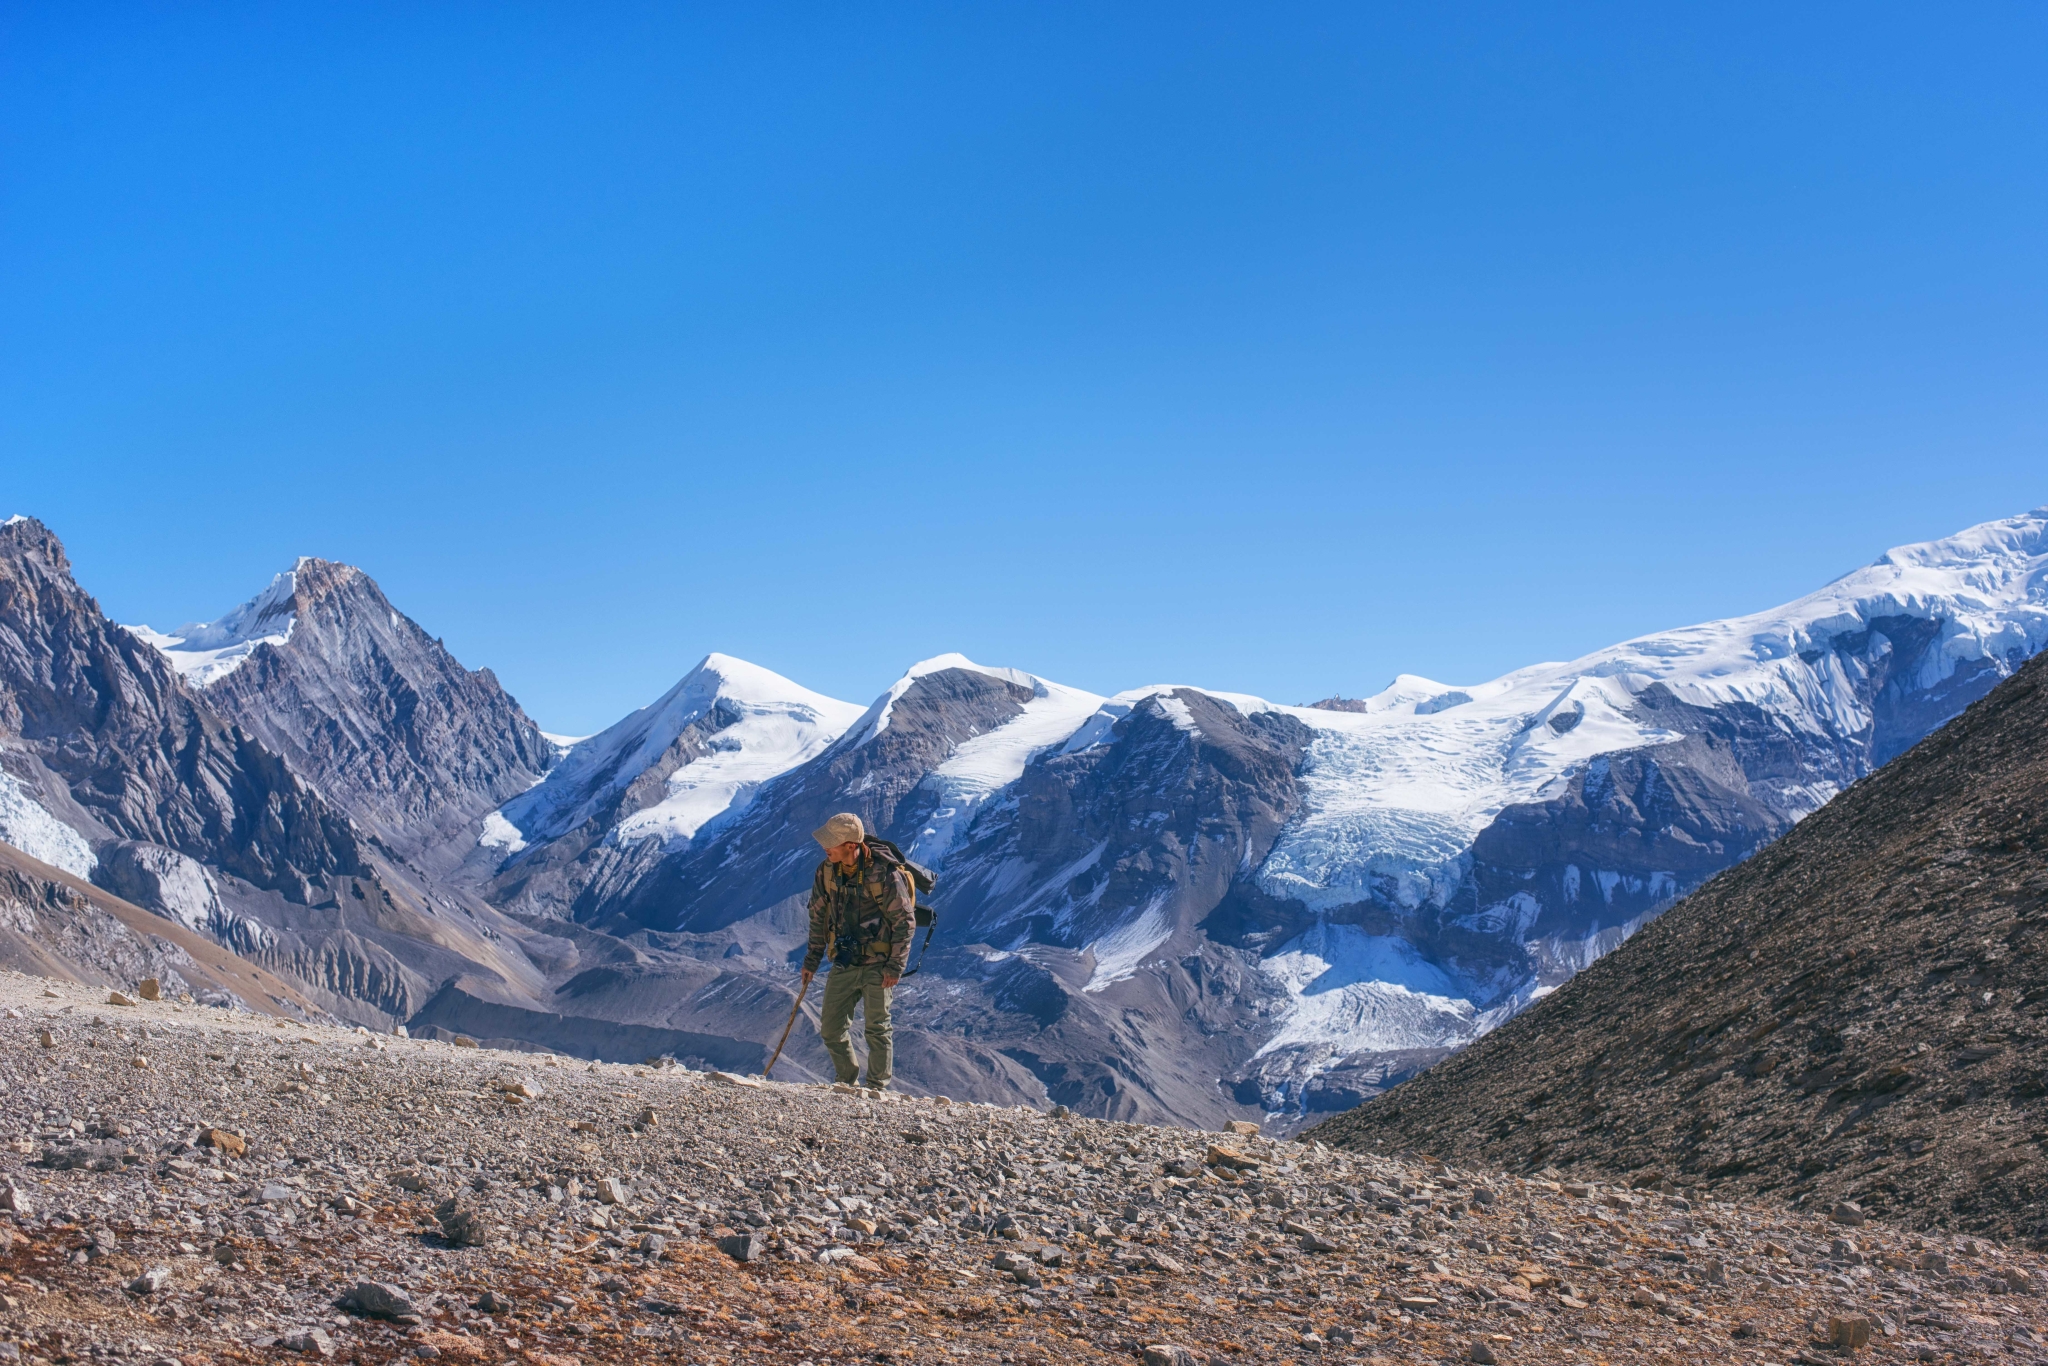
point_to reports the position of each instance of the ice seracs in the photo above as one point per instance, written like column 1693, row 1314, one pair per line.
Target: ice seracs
column 27, row 825
column 205, row 652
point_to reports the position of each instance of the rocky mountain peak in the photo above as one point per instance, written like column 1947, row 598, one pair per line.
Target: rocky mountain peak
column 364, row 704
column 99, row 736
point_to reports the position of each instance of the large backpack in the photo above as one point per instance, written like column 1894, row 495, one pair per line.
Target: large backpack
column 922, row 880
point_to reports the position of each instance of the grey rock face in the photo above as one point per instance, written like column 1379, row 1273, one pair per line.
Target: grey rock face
column 192, row 817
column 378, row 716
column 98, row 725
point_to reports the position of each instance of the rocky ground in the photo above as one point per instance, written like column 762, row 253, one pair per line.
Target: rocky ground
column 196, row 1185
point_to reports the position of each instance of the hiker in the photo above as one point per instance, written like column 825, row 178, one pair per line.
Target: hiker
column 862, row 905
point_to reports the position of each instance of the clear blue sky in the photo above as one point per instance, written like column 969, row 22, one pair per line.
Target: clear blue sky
column 1276, row 348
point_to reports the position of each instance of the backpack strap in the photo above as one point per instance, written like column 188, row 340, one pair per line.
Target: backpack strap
column 928, row 918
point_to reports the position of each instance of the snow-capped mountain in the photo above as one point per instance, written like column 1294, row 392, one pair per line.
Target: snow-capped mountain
column 101, row 736
column 885, row 766
column 694, row 755
column 647, row 786
column 204, row 651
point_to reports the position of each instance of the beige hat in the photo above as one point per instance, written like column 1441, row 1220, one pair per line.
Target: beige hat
column 844, row 828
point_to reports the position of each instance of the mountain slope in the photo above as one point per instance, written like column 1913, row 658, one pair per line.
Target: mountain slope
column 363, row 704
column 1858, row 1013
column 53, row 924
column 877, row 769
column 1173, row 904
column 1403, row 872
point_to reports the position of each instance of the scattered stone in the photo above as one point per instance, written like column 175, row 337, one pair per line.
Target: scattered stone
column 410, row 1179
column 1850, row 1332
column 312, row 1342
column 1482, row 1353
column 1850, row 1213
column 120, row 998
column 150, row 1281
column 149, row 989
column 1406, row 1259
column 732, row 1079
column 1167, row 1354
column 46, row 1038
column 1230, row 1158
column 460, row 1225
column 381, row 1300
column 234, row 1145
column 1241, row 1126
column 464, row 1041
column 742, row 1247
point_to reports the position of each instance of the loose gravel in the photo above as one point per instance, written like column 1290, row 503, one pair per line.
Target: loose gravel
column 182, row 1184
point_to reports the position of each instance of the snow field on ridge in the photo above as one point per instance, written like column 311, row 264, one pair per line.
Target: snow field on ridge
column 205, row 652
column 776, row 725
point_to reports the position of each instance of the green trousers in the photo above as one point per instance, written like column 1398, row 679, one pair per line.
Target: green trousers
column 846, row 988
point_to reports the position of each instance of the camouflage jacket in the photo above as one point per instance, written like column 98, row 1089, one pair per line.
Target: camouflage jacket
column 874, row 902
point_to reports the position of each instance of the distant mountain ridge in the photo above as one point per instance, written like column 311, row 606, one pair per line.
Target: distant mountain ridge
column 1174, row 903
column 1425, row 862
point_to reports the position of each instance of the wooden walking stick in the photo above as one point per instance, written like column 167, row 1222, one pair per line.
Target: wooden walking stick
column 795, row 1006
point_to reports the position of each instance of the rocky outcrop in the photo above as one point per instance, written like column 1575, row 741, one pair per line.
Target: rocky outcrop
column 1853, row 1014
column 375, row 713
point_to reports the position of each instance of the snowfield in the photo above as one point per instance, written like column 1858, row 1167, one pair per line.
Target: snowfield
column 204, row 652
column 25, row 824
